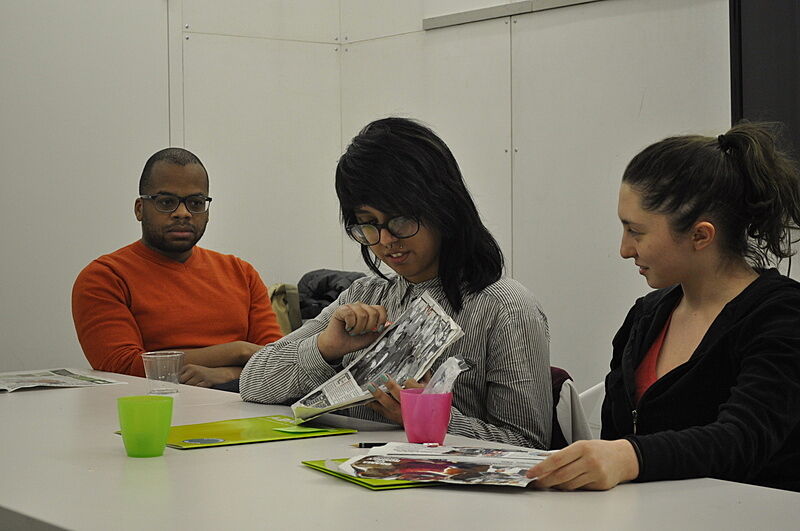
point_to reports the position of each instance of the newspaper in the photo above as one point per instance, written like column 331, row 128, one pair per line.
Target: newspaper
column 9, row 381
column 406, row 349
column 463, row 465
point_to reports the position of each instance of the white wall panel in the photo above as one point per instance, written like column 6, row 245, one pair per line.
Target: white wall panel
column 457, row 80
column 371, row 19
column 435, row 8
column 264, row 117
column 593, row 84
column 83, row 103
column 305, row 20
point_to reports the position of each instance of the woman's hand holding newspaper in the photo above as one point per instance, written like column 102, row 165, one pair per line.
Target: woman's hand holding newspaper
column 388, row 404
column 352, row 327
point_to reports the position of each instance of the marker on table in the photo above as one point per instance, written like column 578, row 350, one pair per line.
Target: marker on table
column 367, row 444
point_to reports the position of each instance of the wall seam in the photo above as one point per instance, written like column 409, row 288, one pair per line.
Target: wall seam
column 511, row 138
column 340, row 58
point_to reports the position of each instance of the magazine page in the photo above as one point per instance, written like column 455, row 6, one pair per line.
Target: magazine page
column 465, row 453
column 406, row 349
column 9, row 381
column 463, row 465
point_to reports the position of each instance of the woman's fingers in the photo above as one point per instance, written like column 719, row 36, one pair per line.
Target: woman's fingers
column 581, row 481
column 555, row 461
column 563, row 476
column 393, row 388
column 360, row 318
column 352, row 327
column 387, row 404
column 595, row 465
column 413, row 384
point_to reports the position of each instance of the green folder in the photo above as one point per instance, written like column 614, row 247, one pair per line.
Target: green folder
column 330, row 466
column 241, row 431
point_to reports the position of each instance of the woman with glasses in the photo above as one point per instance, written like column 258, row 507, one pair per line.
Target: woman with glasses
column 705, row 373
column 403, row 200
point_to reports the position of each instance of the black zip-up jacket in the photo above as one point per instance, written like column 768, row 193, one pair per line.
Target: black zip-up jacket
column 732, row 411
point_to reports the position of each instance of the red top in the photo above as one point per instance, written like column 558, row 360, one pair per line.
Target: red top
column 646, row 371
column 136, row 300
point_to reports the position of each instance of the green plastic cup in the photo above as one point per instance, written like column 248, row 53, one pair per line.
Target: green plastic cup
column 144, row 422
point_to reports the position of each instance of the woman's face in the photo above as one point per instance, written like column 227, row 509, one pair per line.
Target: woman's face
column 663, row 258
column 415, row 258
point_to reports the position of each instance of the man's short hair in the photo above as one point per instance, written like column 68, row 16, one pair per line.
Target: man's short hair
column 172, row 155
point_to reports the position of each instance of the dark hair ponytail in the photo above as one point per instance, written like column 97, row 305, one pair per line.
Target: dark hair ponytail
column 399, row 166
column 739, row 180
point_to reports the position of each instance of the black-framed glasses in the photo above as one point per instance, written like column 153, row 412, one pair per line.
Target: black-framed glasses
column 370, row 233
column 168, row 203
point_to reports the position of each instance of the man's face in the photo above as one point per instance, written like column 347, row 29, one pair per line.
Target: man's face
column 173, row 234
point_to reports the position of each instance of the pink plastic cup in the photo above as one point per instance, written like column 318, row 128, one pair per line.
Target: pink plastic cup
column 425, row 417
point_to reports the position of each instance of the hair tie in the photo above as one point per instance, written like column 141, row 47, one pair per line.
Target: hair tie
column 724, row 143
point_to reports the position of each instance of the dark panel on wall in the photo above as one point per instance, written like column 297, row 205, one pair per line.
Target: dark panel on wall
column 765, row 64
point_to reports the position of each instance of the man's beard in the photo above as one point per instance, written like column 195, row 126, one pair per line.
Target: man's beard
column 157, row 240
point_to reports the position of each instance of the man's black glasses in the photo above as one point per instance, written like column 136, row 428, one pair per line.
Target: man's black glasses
column 168, row 203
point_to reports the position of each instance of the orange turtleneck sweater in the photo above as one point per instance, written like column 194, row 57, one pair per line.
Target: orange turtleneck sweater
column 136, row 300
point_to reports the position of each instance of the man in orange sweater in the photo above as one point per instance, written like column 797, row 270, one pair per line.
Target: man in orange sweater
column 163, row 293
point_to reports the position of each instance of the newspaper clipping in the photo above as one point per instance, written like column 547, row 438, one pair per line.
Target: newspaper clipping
column 9, row 381
column 448, row 464
column 406, row 349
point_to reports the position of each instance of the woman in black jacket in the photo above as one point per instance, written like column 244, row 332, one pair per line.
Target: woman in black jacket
column 705, row 374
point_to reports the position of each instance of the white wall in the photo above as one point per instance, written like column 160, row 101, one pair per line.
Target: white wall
column 263, row 115
column 273, row 91
column 593, row 85
column 542, row 111
column 457, row 80
column 83, row 96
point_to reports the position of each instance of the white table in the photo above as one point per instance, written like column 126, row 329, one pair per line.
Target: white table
column 64, row 468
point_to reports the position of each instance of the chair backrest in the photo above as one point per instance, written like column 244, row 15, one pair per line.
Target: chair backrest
column 569, row 421
column 558, row 377
column 592, row 402
column 286, row 305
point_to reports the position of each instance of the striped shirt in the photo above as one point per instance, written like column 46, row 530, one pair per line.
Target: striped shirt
column 505, row 395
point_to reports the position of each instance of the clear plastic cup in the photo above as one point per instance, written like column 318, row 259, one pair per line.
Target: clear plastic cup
column 162, row 369
column 425, row 416
column 144, row 422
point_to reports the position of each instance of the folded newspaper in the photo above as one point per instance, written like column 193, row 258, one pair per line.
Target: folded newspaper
column 464, row 465
column 9, row 381
column 406, row 349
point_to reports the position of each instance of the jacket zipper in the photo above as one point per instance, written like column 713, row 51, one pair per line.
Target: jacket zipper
column 635, row 415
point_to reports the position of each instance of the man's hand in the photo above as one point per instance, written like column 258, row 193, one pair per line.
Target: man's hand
column 216, row 364
column 590, row 465
column 388, row 404
column 352, row 327
column 208, row 376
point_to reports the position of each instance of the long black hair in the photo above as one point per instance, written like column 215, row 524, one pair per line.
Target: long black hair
column 739, row 180
column 401, row 167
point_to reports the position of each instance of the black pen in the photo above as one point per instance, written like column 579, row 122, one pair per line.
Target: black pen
column 367, row 444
